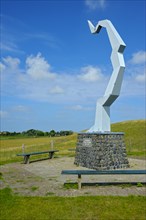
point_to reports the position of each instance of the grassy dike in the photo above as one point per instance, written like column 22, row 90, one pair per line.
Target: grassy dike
column 75, row 208
column 134, row 137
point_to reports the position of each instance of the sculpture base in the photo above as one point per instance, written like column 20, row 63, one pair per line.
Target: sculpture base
column 101, row 151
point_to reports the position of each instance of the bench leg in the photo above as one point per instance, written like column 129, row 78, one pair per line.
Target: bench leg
column 26, row 159
column 79, row 181
column 51, row 155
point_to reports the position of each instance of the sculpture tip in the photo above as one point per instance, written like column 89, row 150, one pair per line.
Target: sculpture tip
column 91, row 26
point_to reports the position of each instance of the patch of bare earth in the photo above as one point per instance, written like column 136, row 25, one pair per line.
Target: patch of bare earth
column 43, row 178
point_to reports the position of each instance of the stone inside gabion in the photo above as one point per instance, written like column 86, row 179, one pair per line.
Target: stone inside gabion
column 101, row 151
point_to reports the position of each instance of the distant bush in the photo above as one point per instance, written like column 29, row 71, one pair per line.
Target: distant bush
column 36, row 133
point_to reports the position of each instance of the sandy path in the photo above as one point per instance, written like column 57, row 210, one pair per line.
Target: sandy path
column 43, row 178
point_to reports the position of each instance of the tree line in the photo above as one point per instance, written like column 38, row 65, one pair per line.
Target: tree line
column 37, row 133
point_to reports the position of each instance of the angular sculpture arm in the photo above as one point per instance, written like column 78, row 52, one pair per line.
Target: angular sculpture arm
column 102, row 117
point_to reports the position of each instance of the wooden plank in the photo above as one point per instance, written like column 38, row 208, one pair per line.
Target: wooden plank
column 36, row 153
column 79, row 181
column 102, row 172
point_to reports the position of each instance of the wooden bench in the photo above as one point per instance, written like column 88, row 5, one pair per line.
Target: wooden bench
column 100, row 172
column 27, row 155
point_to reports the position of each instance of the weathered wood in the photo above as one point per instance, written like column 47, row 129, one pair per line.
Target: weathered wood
column 79, row 181
column 51, row 155
column 26, row 159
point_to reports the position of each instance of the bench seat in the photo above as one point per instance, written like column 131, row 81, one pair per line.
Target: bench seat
column 101, row 172
column 28, row 154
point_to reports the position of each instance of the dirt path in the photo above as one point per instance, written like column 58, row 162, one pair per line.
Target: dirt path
column 43, row 178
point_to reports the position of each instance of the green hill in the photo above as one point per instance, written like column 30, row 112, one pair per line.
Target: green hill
column 135, row 136
column 135, row 140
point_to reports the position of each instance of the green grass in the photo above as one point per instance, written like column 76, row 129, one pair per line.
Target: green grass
column 70, row 208
column 135, row 137
column 135, row 140
column 139, row 185
column 34, row 188
column 70, row 186
column 9, row 148
column 50, row 194
column 1, row 176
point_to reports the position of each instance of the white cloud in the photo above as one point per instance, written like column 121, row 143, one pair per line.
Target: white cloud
column 138, row 57
column 76, row 107
column 56, row 90
column 141, row 78
column 80, row 107
column 10, row 47
column 136, row 67
column 38, row 82
column 20, row 108
column 90, row 74
column 3, row 114
column 84, row 88
column 38, row 68
column 133, row 86
column 11, row 62
column 44, row 38
column 70, row 90
column 94, row 4
column 2, row 67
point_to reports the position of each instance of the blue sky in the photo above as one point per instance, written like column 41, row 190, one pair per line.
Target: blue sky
column 53, row 69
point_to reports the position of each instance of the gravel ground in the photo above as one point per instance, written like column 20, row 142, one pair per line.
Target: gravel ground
column 43, row 178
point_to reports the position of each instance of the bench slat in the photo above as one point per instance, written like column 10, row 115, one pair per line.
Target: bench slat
column 35, row 153
column 102, row 172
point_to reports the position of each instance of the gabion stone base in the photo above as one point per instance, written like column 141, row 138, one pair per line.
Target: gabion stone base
column 101, row 151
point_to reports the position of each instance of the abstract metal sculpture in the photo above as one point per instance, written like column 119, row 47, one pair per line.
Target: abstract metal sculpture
column 102, row 117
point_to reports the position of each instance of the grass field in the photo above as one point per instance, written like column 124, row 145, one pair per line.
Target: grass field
column 134, row 137
column 10, row 147
column 66, row 208
column 72, row 208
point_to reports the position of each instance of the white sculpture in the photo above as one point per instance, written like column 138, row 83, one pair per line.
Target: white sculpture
column 102, row 117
